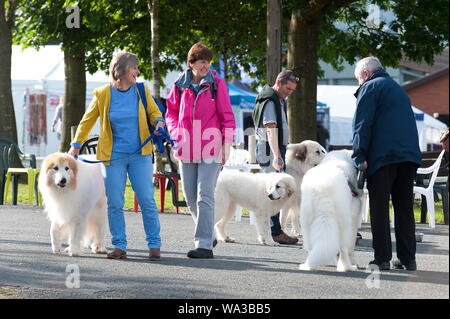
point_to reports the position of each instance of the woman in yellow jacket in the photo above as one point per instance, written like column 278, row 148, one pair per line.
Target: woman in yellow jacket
column 123, row 128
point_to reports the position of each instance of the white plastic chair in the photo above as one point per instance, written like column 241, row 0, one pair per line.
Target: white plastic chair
column 428, row 192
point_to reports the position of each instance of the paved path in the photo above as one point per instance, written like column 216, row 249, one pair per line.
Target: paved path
column 245, row 269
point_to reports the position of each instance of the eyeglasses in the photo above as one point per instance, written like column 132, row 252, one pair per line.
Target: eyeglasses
column 294, row 78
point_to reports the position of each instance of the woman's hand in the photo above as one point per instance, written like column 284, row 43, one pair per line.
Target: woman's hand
column 74, row 151
column 225, row 153
column 158, row 125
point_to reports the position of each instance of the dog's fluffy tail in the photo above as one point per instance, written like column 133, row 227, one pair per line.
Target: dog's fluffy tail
column 324, row 235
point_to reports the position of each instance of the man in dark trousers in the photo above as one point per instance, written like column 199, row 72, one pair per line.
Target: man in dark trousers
column 272, row 134
column 385, row 139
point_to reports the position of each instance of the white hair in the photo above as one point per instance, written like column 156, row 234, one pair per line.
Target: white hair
column 370, row 64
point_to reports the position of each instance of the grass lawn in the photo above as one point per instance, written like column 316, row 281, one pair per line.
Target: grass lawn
column 169, row 207
column 22, row 197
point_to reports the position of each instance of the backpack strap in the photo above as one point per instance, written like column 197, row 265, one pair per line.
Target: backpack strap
column 141, row 90
column 214, row 89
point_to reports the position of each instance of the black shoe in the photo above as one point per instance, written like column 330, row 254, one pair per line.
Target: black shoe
column 411, row 265
column 383, row 265
column 200, row 253
column 358, row 237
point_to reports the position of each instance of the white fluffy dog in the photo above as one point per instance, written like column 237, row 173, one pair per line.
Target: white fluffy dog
column 330, row 212
column 300, row 158
column 75, row 201
column 263, row 194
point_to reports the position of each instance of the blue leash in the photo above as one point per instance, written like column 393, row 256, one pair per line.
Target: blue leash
column 158, row 140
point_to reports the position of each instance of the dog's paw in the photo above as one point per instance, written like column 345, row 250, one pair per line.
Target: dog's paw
column 296, row 234
column 273, row 244
column 229, row 240
column 261, row 240
column 342, row 268
column 72, row 252
column 304, row 267
column 56, row 250
column 98, row 249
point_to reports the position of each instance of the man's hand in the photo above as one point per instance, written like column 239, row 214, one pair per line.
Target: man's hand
column 278, row 163
column 272, row 139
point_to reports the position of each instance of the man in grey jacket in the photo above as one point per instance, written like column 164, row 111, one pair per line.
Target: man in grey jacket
column 385, row 139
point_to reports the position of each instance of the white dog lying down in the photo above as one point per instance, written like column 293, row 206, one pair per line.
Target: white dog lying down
column 75, row 201
column 263, row 194
column 330, row 212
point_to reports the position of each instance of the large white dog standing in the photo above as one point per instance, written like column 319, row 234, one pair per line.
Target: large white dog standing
column 330, row 212
column 75, row 201
column 300, row 158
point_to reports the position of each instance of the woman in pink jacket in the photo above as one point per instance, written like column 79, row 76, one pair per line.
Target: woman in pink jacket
column 199, row 117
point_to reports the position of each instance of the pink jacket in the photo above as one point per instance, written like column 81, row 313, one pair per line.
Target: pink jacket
column 199, row 124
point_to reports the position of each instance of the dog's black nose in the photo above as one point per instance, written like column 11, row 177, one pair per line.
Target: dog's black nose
column 271, row 196
column 62, row 182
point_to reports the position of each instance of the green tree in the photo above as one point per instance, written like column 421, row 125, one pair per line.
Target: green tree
column 235, row 31
column 80, row 26
column 419, row 31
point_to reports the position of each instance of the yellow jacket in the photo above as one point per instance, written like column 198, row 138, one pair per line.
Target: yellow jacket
column 99, row 107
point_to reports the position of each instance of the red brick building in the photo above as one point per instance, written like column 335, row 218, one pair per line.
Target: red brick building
column 430, row 94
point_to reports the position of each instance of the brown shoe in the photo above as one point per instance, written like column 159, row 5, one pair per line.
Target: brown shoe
column 117, row 254
column 154, row 254
column 285, row 239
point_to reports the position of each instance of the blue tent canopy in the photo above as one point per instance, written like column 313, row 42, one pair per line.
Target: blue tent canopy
column 244, row 99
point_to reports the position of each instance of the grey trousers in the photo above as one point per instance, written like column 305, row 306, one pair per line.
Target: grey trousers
column 199, row 183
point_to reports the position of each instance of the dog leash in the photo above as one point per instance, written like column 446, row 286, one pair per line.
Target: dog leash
column 158, row 139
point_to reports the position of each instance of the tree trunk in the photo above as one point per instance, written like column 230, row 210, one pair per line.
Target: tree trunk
column 273, row 62
column 74, row 94
column 153, row 7
column 153, row 10
column 225, row 68
column 8, row 126
column 303, row 40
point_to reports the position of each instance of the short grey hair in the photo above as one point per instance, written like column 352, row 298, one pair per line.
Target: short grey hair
column 287, row 75
column 121, row 64
column 370, row 64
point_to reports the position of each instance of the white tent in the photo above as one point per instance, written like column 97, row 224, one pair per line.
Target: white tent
column 43, row 70
column 342, row 103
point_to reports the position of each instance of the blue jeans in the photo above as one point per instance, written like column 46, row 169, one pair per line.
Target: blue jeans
column 140, row 172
